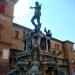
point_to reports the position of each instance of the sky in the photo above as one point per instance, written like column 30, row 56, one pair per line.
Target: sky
column 57, row 15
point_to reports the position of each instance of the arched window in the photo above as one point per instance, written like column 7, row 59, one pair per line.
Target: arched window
column 43, row 43
column 49, row 44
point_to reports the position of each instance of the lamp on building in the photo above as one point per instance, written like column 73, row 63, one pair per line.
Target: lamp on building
column 59, row 53
column 72, row 61
column 51, row 49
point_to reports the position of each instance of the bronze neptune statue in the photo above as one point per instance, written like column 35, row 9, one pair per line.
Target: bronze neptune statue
column 37, row 15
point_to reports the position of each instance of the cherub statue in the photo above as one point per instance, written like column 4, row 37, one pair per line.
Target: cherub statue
column 48, row 33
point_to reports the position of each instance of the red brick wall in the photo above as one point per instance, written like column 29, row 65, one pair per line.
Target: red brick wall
column 4, row 68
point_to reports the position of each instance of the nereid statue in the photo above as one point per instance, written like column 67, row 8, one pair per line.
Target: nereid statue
column 27, row 41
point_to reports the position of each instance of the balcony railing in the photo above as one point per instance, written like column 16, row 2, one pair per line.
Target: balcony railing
column 51, row 63
column 50, row 53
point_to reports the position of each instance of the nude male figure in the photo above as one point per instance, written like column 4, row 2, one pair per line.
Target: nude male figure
column 37, row 14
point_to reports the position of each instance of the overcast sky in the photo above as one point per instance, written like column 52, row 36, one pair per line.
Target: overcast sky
column 57, row 15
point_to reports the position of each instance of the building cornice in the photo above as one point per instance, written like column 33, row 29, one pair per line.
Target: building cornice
column 67, row 41
column 56, row 40
column 52, row 38
column 21, row 27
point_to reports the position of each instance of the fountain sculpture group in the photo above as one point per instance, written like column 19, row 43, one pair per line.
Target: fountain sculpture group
column 33, row 42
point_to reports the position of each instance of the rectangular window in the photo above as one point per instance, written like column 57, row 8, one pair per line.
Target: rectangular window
column 5, row 54
column 1, row 54
column 2, row 7
column 17, row 35
column 49, row 44
column 57, row 46
column 1, row 27
column 43, row 43
column 0, row 36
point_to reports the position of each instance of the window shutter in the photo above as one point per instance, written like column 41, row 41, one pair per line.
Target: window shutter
column 2, row 7
column 17, row 35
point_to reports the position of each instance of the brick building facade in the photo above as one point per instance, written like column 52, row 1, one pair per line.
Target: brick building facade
column 11, row 42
